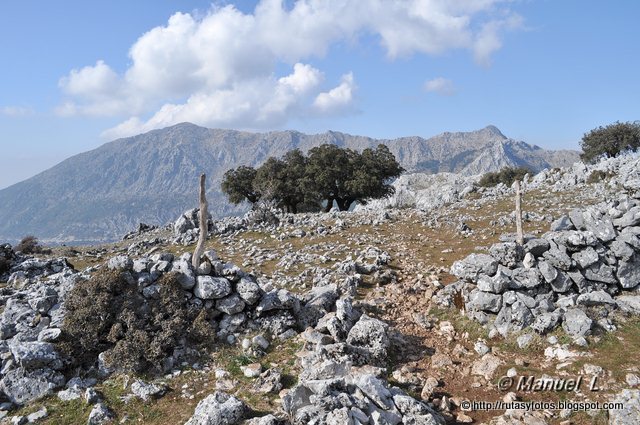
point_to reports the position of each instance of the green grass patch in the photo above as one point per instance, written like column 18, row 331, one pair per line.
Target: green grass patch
column 616, row 351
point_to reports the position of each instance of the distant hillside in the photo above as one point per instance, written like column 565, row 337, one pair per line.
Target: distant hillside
column 152, row 178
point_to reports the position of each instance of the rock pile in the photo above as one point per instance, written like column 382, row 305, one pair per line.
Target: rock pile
column 570, row 275
column 186, row 227
column 142, row 229
column 429, row 192
column 233, row 299
column 343, row 362
column 29, row 325
column 621, row 172
column 342, row 376
column 341, row 381
column 26, row 271
column 33, row 319
column 424, row 192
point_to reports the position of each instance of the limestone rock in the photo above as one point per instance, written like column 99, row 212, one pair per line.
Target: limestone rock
column 630, row 414
column 270, row 381
column 249, row 291
column 100, row 414
column 474, row 265
column 218, row 409
column 120, row 262
column 496, row 284
column 629, row 272
column 211, row 288
column 21, row 386
column 231, row 304
column 486, row 366
column 485, row 301
column 576, row 323
column 370, row 334
column 147, row 391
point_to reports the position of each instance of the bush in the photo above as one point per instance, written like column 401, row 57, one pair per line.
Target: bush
column 29, row 245
column 507, row 176
column 107, row 314
column 611, row 140
column 599, row 175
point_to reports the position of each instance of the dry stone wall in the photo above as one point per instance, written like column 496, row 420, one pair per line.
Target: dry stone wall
column 575, row 275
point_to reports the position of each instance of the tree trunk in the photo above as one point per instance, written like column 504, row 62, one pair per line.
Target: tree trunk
column 204, row 225
column 344, row 204
column 329, row 205
column 519, row 232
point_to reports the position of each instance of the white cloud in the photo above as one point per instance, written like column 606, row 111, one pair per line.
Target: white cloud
column 488, row 40
column 258, row 102
column 338, row 98
column 219, row 69
column 15, row 111
column 441, row 86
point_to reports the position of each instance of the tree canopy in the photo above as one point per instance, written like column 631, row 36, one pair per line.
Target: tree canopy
column 328, row 174
column 346, row 176
column 238, row 185
column 611, row 140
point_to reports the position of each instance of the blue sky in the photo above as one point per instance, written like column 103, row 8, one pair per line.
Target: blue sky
column 76, row 74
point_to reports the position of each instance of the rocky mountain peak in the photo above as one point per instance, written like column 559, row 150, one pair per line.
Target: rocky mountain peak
column 492, row 130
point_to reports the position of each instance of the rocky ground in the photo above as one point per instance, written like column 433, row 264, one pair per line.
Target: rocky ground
column 376, row 316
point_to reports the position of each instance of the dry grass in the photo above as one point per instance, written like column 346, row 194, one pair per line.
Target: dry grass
column 415, row 248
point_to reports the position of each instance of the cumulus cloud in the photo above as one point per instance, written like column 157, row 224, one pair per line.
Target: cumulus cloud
column 338, row 98
column 15, row 111
column 441, row 86
column 220, row 69
column 257, row 103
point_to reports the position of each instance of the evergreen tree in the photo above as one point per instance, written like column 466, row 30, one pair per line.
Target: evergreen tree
column 328, row 174
column 346, row 176
column 609, row 141
column 237, row 184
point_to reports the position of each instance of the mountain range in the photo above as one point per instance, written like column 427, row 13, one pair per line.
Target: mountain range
column 99, row 195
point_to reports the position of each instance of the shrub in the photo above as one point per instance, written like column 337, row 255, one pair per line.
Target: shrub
column 611, row 140
column 107, row 314
column 506, row 175
column 29, row 245
column 599, row 175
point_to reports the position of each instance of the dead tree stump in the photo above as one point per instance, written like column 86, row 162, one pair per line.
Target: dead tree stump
column 519, row 232
column 204, row 224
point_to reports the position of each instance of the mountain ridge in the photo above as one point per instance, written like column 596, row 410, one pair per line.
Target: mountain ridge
column 98, row 195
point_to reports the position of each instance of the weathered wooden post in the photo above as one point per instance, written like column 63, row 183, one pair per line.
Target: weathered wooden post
column 519, row 232
column 204, row 224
